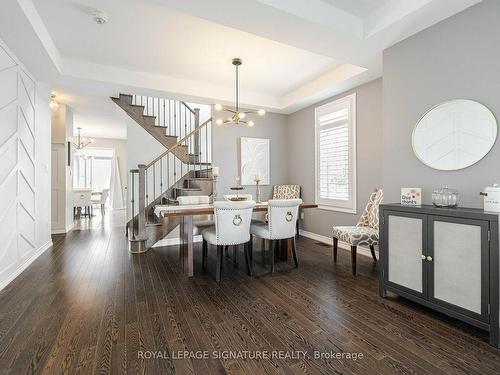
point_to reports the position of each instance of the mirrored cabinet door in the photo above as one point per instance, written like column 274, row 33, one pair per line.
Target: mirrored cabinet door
column 458, row 271
column 405, row 248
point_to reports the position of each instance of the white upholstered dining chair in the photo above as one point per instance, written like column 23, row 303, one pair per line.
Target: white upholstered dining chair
column 364, row 233
column 281, row 225
column 232, row 228
column 287, row 192
column 82, row 198
column 101, row 199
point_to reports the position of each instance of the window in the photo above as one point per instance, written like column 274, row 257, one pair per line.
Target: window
column 92, row 168
column 335, row 125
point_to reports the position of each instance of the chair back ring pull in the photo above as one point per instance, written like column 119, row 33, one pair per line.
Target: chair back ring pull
column 237, row 220
column 289, row 216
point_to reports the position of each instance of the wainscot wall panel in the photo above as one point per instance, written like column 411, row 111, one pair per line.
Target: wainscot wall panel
column 24, row 159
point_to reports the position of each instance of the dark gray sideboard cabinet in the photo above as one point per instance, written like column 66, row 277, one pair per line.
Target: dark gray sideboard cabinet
column 444, row 258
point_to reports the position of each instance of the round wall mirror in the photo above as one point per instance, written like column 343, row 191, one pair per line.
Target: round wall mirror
column 454, row 135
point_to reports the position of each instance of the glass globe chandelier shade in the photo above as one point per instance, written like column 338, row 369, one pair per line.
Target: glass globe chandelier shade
column 237, row 116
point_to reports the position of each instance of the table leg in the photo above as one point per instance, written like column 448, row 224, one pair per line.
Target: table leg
column 186, row 253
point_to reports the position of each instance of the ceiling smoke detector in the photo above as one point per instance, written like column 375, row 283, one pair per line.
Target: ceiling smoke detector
column 100, row 17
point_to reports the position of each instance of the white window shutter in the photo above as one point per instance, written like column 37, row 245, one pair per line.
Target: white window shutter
column 335, row 155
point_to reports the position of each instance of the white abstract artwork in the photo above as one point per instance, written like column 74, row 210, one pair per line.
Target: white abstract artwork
column 255, row 160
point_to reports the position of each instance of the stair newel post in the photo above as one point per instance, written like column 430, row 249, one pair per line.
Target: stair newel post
column 206, row 150
column 141, row 229
column 154, row 182
column 161, row 178
column 168, row 177
column 146, row 188
column 132, row 202
column 197, row 138
column 187, row 140
column 137, row 242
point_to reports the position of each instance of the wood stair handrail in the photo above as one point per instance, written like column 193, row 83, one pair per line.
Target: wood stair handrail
column 163, row 154
column 188, row 107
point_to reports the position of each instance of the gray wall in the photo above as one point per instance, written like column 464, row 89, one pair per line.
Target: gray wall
column 301, row 154
column 226, row 145
column 457, row 58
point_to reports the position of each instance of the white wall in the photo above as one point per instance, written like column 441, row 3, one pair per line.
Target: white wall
column 301, row 153
column 24, row 167
column 62, row 174
column 226, row 152
column 457, row 58
column 141, row 149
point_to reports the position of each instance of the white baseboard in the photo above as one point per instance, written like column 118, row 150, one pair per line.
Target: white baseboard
column 26, row 264
column 63, row 230
column 317, row 237
column 58, row 231
column 174, row 241
column 343, row 245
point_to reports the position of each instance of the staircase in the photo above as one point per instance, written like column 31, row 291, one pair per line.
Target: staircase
column 184, row 168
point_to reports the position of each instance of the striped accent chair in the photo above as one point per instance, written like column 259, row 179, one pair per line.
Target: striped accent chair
column 365, row 233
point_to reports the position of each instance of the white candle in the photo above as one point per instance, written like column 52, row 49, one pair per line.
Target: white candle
column 215, row 171
column 257, row 177
column 238, row 180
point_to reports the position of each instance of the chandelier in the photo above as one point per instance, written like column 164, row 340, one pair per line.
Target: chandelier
column 237, row 116
column 81, row 142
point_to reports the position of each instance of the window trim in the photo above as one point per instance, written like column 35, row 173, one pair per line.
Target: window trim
column 332, row 204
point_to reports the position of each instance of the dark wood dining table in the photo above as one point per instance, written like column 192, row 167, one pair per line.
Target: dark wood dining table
column 186, row 213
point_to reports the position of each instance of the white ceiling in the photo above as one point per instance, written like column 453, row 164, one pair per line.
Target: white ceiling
column 358, row 8
column 294, row 52
column 93, row 112
column 148, row 37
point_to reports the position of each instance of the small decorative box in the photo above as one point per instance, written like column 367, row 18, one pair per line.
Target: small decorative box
column 411, row 196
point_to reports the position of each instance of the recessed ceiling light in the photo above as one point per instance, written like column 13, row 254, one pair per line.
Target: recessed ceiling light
column 100, row 16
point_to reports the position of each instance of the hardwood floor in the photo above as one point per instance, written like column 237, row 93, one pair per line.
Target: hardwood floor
column 88, row 306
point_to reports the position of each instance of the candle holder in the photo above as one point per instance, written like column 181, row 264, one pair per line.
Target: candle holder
column 257, row 192
column 214, row 188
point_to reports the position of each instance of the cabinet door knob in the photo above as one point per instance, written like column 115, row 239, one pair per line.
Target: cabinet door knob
column 423, row 257
column 429, row 258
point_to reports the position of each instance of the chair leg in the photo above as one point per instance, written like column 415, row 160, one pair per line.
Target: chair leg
column 247, row 259
column 372, row 249
column 297, row 227
column 235, row 254
column 272, row 246
column 226, row 250
column 219, row 263
column 353, row 259
column 262, row 246
column 250, row 248
column 204, row 256
column 335, row 248
column 294, row 253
